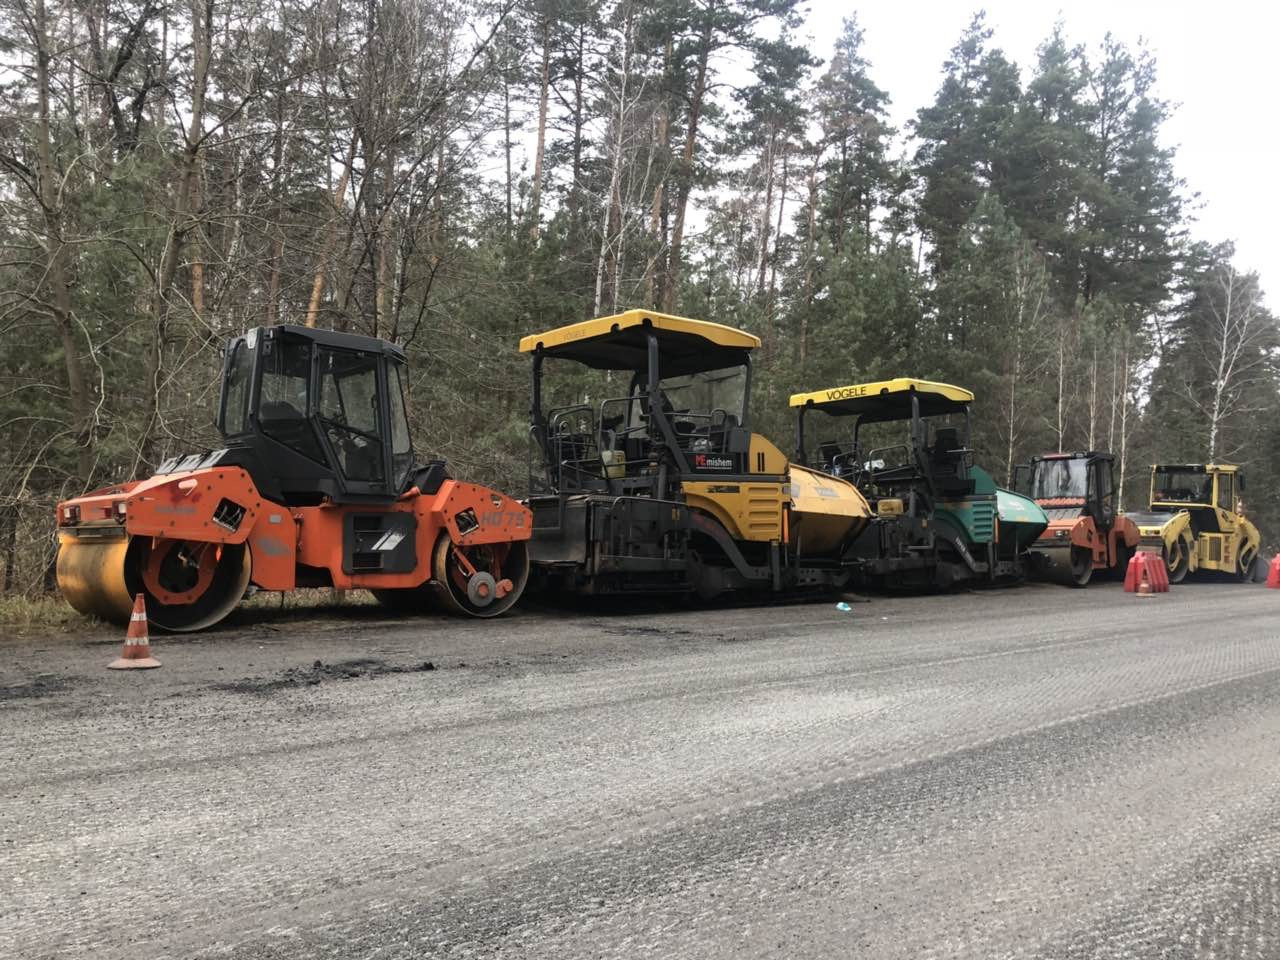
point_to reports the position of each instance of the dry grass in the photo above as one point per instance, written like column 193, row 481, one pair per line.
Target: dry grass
column 20, row 613
column 23, row 615
column 318, row 599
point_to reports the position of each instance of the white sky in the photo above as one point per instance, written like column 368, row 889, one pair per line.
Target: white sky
column 1215, row 61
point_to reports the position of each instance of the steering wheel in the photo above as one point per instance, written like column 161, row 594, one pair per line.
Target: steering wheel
column 851, row 465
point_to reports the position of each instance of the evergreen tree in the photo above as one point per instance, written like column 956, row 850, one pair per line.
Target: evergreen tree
column 961, row 135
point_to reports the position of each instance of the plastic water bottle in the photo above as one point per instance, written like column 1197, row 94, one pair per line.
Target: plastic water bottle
column 843, row 607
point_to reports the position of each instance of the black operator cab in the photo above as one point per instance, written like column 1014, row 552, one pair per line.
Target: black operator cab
column 321, row 413
column 641, row 399
column 1083, row 480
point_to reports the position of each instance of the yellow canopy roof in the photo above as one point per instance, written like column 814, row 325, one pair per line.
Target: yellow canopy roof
column 1198, row 467
column 886, row 399
column 620, row 342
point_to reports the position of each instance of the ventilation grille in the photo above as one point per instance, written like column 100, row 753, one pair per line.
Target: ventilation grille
column 229, row 514
column 366, row 561
column 984, row 521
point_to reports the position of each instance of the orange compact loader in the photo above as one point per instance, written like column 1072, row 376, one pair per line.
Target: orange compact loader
column 317, row 486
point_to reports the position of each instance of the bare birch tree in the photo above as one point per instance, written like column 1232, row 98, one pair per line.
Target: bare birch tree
column 1235, row 347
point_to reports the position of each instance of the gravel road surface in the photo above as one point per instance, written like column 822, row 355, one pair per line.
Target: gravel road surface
column 1037, row 772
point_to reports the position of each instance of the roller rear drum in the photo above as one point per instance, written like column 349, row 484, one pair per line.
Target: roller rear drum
column 482, row 580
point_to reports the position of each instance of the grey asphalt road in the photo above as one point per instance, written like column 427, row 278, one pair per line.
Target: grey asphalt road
column 1035, row 772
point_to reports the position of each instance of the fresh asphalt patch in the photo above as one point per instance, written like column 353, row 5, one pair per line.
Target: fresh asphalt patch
column 321, row 672
column 42, row 685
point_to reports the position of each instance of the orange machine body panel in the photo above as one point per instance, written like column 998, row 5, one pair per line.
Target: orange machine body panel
column 1079, row 530
column 498, row 519
column 222, row 505
column 176, row 505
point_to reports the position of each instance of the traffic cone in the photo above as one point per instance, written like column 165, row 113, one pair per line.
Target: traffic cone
column 136, row 654
column 1273, row 573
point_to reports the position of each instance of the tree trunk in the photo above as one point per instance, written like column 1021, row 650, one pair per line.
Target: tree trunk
column 611, row 219
column 56, row 255
column 579, row 123
column 331, row 232
column 10, row 535
column 197, row 265
column 777, row 239
column 1124, row 428
column 1013, row 401
column 277, row 243
column 1093, row 399
column 506, row 136
column 180, row 224
column 811, row 236
column 535, row 191
column 1115, row 378
column 671, row 281
column 766, row 214
column 382, row 302
column 662, row 147
column 1061, row 425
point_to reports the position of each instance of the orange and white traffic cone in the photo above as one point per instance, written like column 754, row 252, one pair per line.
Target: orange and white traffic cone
column 136, row 654
column 1273, row 573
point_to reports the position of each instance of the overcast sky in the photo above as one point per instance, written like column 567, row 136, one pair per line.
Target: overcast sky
column 1215, row 61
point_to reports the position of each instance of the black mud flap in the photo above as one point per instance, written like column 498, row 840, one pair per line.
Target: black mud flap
column 559, row 531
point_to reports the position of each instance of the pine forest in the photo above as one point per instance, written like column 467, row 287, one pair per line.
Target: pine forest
column 454, row 174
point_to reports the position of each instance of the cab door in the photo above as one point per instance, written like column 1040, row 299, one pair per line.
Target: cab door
column 1224, row 505
column 353, row 415
column 1101, row 497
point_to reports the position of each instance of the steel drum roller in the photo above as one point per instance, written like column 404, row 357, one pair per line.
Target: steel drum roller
column 91, row 575
column 1069, row 565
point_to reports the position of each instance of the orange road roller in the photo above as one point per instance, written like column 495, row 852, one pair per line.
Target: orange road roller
column 317, row 486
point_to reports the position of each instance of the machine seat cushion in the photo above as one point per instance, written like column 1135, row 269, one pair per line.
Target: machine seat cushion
column 430, row 476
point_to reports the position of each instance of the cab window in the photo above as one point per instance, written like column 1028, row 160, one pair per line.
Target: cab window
column 401, row 447
column 235, row 409
column 1104, row 489
column 1226, row 492
column 285, row 396
column 350, row 412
